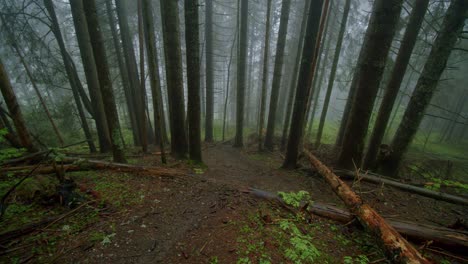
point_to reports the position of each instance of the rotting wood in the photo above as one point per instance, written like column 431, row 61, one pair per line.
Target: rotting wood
column 447, row 238
column 396, row 248
column 375, row 178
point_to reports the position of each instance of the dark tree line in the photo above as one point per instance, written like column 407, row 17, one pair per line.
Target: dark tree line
column 214, row 68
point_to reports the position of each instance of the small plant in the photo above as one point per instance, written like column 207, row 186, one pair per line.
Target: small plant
column 214, row 260
column 361, row 259
column 294, row 199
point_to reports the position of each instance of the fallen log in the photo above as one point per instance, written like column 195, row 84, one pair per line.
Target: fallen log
column 396, row 248
column 375, row 178
column 84, row 165
column 447, row 238
column 29, row 157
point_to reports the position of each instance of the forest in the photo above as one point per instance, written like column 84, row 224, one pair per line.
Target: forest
column 234, row 131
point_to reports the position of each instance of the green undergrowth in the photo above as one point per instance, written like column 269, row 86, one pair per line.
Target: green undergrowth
column 104, row 192
column 270, row 235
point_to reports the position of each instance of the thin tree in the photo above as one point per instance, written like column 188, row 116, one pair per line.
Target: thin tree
column 15, row 111
column 209, row 71
column 331, row 79
column 446, row 39
column 155, row 83
column 192, row 43
column 295, row 72
column 18, row 52
column 89, row 66
column 393, row 86
column 266, row 51
column 303, row 90
column 241, row 67
column 275, row 87
column 228, row 81
column 137, row 93
column 173, row 59
column 367, row 77
column 104, row 80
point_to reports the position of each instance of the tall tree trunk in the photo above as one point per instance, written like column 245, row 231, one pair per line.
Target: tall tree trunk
column 146, row 133
column 123, row 71
column 228, row 82
column 427, row 83
column 277, row 72
column 266, row 51
column 317, row 82
column 295, row 72
column 15, row 111
column 393, row 86
column 209, row 70
column 192, row 43
column 174, row 78
column 155, row 82
column 89, row 65
column 303, row 83
column 241, row 65
column 372, row 58
column 331, row 79
column 104, row 80
column 136, row 93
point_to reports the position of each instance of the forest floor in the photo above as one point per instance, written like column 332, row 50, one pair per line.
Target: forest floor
column 206, row 216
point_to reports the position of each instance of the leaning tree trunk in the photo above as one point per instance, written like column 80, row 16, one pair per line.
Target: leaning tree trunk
column 295, row 72
column 446, row 39
column 155, row 83
column 372, row 58
column 33, row 83
column 174, row 78
column 89, row 66
column 266, row 51
column 15, row 111
column 393, row 86
column 104, row 79
column 277, row 72
column 303, row 84
column 331, row 79
column 241, row 65
column 193, row 79
column 397, row 249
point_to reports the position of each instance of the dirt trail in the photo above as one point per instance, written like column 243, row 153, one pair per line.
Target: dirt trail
column 184, row 220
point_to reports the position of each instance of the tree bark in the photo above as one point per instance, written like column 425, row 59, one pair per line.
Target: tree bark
column 15, row 111
column 241, row 66
column 104, row 80
column 393, row 86
column 209, row 70
column 192, row 43
column 452, row 26
column 266, row 51
column 137, row 93
column 372, row 58
column 86, row 51
column 226, row 98
column 174, row 78
column 277, row 72
column 155, row 82
column 397, row 249
column 295, row 73
column 303, row 90
column 331, row 79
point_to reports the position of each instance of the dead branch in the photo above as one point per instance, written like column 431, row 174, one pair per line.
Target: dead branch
column 375, row 178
